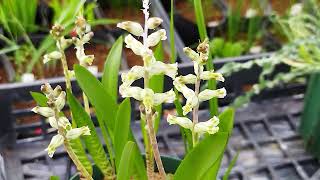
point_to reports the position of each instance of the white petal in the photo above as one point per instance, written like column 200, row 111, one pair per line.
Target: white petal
column 154, row 22
column 61, row 100
column 191, row 54
column 77, row 132
column 181, row 121
column 136, row 72
column 55, row 142
column 209, row 94
column 134, row 92
column 190, row 104
column 44, row 111
column 156, row 37
column 207, row 75
column 188, row 79
column 210, row 126
column 53, row 122
column 159, row 67
column 167, row 97
column 135, row 45
column 132, row 27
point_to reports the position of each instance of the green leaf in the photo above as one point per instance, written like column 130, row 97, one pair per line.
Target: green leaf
column 126, row 161
column 54, row 178
column 111, row 69
column 231, row 165
column 39, row 98
column 226, row 125
column 77, row 148
column 104, row 104
column 156, row 83
column 92, row 142
column 172, row 41
column 202, row 157
column 122, row 128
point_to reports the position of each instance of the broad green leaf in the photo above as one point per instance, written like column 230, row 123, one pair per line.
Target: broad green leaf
column 111, row 69
column 202, row 157
column 39, row 98
column 91, row 142
column 122, row 128
column 226, row 125
column 156, row 83
column 104, row 104
column 126, row 161
column 77, row 148
column 231, row 165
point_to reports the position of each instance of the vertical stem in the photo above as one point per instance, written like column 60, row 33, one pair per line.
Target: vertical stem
column 65, row 68
column 151, row 131
column 195, row 118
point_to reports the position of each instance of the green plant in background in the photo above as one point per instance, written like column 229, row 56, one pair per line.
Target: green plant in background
column 301, row 27
column 221, row 49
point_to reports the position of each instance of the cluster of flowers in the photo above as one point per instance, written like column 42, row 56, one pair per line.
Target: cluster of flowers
column 199, row 59
column 57, row 120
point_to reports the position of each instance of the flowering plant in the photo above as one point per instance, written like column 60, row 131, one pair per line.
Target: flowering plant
column 123, row 159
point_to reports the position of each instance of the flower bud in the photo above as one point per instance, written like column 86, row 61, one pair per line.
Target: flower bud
column 203, row 47
column 191, row 54
column 210, row 126
column 55, row 142
column 44, row 111
column 132, row 27
column 57, row 31
column 81, row 22
column 61, row 100
column 209, row 94
column 159, row 67
column 251, row 13
column 207, row 75
column 77, row 132
column 57, row 91
column 46, row 88
column 154, row 22
column 156, row 37
column 64, row 122
column 181, row 121
column 167, row 97
column 52, row 56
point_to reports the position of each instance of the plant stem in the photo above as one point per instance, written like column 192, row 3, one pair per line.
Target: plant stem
column 65, row 67
column 72, row 155
column 195, row 118
column 151, row 131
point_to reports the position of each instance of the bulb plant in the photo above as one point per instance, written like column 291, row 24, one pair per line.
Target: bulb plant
column 122, row 159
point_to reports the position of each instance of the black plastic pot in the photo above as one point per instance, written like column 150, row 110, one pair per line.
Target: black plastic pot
column 170, row 165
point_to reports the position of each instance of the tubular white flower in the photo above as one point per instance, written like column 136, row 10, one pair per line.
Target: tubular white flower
column 61, row 100
column 87, row 37
column 207, row 75
column 188, row 79
column 134, row 92
column 209, row 94
column 192, row 101
column 55, row 142
column 136, row 72
column 191, row 54
column 64, row 122
column 135, row 45
column 46, row 88
column 210, row 126
column 187, row 92
column 53, row 122
column 57, row 91
column 181, row 121
column 82, row 57
column 147, row 99
column 77, row 132
column 154, row 22
column 44, row 111
column 159, row 67
column 52, row 56
column 156, row 37
column 132, row 27
column 167, row 97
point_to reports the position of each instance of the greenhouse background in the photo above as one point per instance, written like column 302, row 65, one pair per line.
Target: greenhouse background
column 268, row 52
